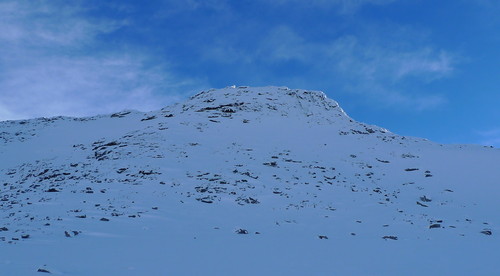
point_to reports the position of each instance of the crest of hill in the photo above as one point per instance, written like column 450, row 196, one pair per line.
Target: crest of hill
column 275, row 105
column 272, row 103
column 269, row 100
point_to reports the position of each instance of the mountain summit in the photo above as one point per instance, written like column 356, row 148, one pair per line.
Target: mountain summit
column 241, row 181
column 267, row 101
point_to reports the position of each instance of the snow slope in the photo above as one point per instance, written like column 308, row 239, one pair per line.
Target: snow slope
column 242, row 181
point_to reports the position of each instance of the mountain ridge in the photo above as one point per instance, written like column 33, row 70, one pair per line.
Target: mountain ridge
column 257, row 175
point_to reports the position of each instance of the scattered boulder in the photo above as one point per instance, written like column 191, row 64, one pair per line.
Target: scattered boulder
column 425, row 199
column 421, row 204
column 271, row 164
column 205, row 199
column 487, row 232
column 242, row 231
column 382, row 161
column 121, row 170
column 120, row 114
column 251, row 200
column 148, row 118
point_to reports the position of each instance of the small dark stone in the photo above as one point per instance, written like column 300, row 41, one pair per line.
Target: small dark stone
column 205, row 200
column 425, row 199
column 148, row 118
column 421, row 204
column 435, row 225
column 25, row 236
column 242, row 231
column 52, row 190
column 121, row 170
column 43, row 270
column 390, row 238
column 104, row 219
column 67, row 234
column 322, row 237
column 271, row 164
column 487, row 232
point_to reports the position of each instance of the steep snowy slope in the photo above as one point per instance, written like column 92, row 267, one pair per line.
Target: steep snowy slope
column 242, row 181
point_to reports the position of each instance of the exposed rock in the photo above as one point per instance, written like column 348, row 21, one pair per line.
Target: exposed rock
column 487, row 232
column 242, row 231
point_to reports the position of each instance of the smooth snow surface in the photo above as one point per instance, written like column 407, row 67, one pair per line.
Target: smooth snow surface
column 242, row 181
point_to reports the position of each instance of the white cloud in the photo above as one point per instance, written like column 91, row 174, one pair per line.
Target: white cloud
column 282, row 43
column 378, row 70
column 344, row 6
column 85, row 85
column 367, row 68
column 168, row 8
column 52, row 63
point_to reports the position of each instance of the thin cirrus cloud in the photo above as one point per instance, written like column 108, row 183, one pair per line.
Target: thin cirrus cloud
column 372, row 69
column 343, row 6
column 52, row 64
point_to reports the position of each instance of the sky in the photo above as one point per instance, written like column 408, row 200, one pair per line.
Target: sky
column 420, row 68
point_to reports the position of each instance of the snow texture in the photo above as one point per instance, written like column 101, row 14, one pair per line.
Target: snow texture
column 242, row 181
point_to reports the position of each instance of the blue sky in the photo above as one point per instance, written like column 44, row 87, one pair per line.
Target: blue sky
column 421, row 68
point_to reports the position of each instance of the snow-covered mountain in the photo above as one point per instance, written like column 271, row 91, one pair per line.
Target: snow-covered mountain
column 242, row 181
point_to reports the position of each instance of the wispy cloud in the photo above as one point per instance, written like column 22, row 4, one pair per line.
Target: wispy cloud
column 53, row 63
column 169, row 8
column 343, row 6
column 378, row 71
